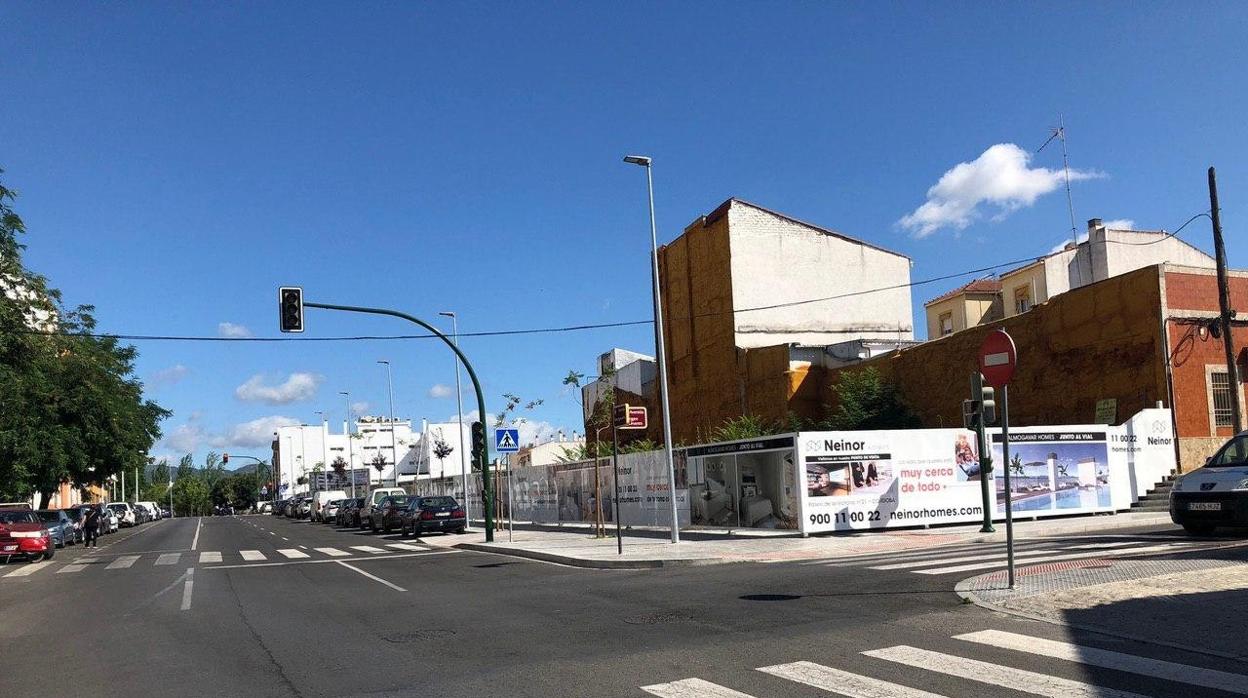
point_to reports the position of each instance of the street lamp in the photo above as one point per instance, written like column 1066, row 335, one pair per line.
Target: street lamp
column 324, row 445
column 394, row 447
column 644, row 161
column 459, row 406
column 346, row 431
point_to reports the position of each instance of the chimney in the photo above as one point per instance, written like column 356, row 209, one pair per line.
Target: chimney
column 1093, row 224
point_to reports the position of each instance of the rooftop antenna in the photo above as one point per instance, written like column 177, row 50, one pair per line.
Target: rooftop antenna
column 1060, row 134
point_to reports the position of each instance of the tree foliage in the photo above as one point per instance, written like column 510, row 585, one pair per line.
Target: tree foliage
column 71, row 408
column 866, row 401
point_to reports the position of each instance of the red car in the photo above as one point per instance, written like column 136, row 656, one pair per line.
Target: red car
column 22, row 533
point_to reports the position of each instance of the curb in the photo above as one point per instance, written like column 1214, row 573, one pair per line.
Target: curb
column 587, row 563
column 1095, row 523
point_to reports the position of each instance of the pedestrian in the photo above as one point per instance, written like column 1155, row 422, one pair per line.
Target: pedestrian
column 91, row 527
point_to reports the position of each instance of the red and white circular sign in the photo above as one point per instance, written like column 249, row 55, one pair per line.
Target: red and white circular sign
column 997, row 358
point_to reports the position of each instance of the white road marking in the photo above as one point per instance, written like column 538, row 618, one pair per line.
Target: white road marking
column 30, row 568
column 1094, row 546
column 195, row 541
column 1156, row 668
column 186, row 589
column 71, row 568
column 842, row 682
column 333, row 552
column 272, row 533
column 209, row 557
column 375, row 578
column 1051, row 558
column 367, row 549
column 251, row 554
column 391, row 556
column 405, row 546
column 950, row 560
column 303, row 547
column 995, row 674
column 285, row 538
column 168, row 559
column 693, row 688
column 292, row 553
column 122, row 562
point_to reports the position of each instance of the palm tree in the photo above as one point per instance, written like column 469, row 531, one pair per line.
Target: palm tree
column 1016, row 465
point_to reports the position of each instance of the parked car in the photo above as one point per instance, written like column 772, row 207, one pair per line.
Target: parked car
column 386, row 515
column 304, row 509
column 165, row 513
column 373, row 501
column 1216, row 494
column 109, row 521
column 264, row 507
column 437, row 513
column 153, row 511
column 60, row 526
column 126, row 516
column 349, row 513
column 320, row 499
column 330, row 511
column 22, row 533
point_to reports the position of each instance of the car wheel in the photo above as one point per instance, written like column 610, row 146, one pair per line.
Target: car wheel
column 1198, row 529
column 460, row 531
column 47, row 555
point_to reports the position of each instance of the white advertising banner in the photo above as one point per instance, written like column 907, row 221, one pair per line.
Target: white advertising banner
column 1058, row 470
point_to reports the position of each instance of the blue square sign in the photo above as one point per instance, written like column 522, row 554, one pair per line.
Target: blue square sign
column 507, row 440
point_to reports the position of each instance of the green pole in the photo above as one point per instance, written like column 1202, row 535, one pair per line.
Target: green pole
column 482, row 459
column 985, row 452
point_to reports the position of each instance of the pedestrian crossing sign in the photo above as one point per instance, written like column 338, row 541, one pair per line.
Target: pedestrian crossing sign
column 507, row 440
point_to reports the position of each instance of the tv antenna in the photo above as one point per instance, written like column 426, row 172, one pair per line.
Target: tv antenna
column 1060, row 134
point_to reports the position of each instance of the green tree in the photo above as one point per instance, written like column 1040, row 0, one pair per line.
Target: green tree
column 192, row 497
column 1016, row 465
column 865, row 401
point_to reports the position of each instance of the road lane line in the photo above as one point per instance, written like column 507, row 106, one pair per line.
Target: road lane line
column 405, row 546
column 375, row 578
column 292, row 553
column 186, row 589
column 29, row 569
column 693, row 688
column 842, row 682
column 969, row 558
column 333, row 552
column 251, row 554
column 195, row 541
column 317, row 561
column 1156, row 668
column 272, row 533
column 367, row 549
column 995, row 674
column 209, row 557
column 71, row 568
column 122, row 562
column 168, row 559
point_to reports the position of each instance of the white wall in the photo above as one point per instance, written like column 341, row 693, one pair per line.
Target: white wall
column 776, row 260
column 301, row 447
column 458, row 436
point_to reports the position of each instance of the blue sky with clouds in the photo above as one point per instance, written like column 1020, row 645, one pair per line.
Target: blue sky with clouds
column 177, row 162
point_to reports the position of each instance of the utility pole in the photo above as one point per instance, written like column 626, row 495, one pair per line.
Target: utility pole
column 1224, row 301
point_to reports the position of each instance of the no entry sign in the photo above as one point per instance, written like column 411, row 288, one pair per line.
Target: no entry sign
column 997, row 358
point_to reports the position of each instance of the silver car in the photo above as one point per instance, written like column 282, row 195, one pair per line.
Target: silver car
column 60, row 526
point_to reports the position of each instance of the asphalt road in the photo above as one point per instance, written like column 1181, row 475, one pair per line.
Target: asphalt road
column 176, row 608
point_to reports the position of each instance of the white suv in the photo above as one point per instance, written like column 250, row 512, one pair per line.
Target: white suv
column 125, row 513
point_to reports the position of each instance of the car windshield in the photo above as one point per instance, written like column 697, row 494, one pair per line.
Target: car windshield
column 399, row 501
column 1235, row 452
column 12, row 517
column 74, row 514
column 429, row 502
column 117, row 507
column 50, row 515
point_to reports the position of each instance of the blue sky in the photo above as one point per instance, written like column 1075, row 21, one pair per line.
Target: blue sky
column 178, row 162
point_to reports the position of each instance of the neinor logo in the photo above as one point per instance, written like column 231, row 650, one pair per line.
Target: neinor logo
column 843, row 445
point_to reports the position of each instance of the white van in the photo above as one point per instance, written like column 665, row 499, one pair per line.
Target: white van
column 153, row 508
column 374, row 498
column 320, row 499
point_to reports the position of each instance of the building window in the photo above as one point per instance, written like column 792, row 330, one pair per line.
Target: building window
column 1022, row 299
column 1220, row 387
column 946, row 324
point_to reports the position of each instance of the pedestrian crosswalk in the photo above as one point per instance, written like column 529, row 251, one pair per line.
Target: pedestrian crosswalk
column 206, row 558
column 981, row 557
column 920, row 665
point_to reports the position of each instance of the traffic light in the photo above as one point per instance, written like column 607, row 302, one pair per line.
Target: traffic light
column 988, row 404
column 290, row 308
column 478, row 442
column 225, row 458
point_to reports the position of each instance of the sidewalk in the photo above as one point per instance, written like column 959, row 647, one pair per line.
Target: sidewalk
column 651, row 549
column 1195, row 601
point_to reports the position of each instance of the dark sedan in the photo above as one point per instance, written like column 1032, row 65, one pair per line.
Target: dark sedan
column 388, row 513
column 61, row 526
column 425, row 514
column 349, row 513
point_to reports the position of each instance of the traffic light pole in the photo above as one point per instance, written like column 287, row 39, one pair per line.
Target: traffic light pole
column 984, row 447
column 482, row 456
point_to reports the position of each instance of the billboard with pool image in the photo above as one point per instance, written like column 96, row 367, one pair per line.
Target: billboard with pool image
column 1053, row 471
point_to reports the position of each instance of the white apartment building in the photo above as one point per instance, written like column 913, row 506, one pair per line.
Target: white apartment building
column 424, row 450
column 299, row 449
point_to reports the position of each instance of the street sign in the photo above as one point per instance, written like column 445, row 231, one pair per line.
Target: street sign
column 264, row 491
column 507, row 440
column 630, row 417
column 997, row 358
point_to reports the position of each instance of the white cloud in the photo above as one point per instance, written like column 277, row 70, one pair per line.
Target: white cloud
column 230, row 329
column 440, row 390
column 185, row 438
column 258, row 433
column 1000, row 176
column 169, row 376
column 360, row 407
column 1083, row 237
column 531, row 430
column 298, row 386
column 1120, row 224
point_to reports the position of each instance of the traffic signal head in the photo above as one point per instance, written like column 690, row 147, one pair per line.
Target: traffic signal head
column 478, row 442
column 988, row 405
column 290, row 308
column 225, row 458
